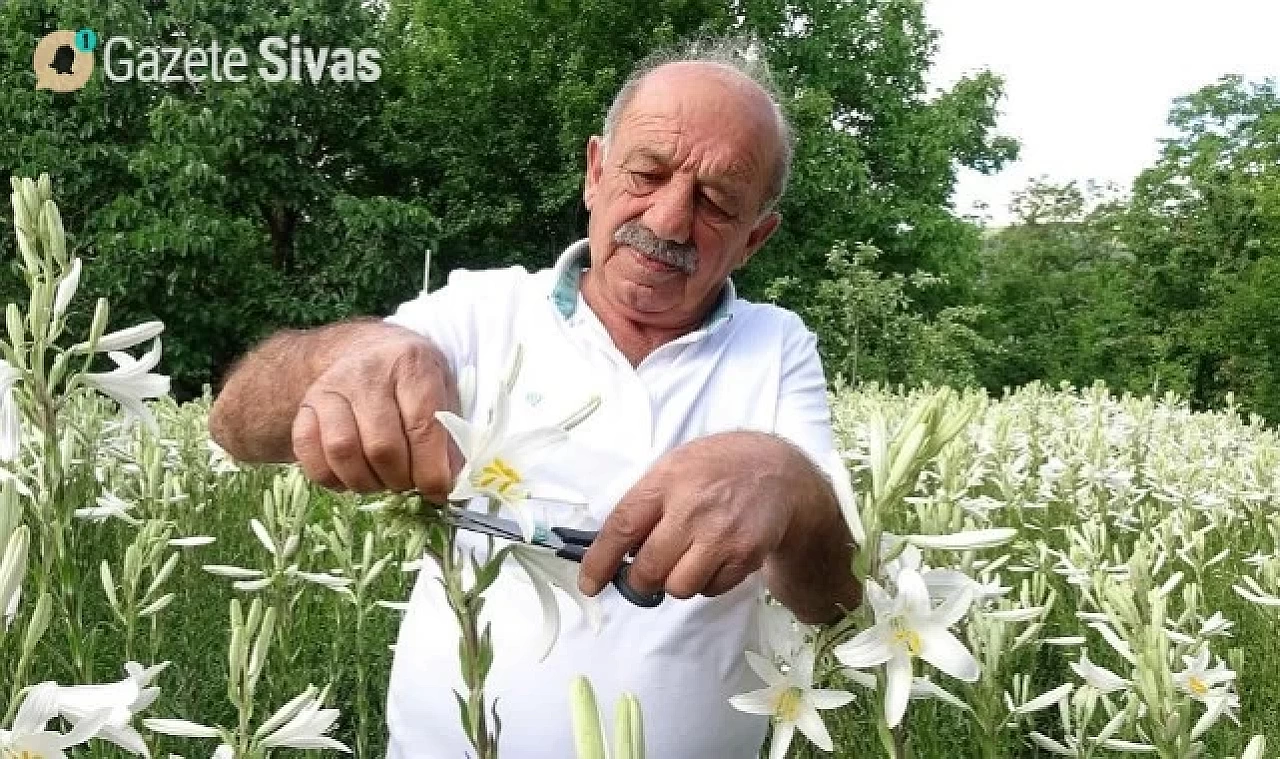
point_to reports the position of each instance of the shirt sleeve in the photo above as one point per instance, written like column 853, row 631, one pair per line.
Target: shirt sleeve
column 804, row 413
column 454, row 317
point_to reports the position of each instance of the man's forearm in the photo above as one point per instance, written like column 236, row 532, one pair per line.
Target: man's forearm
column 810, row 572
column 252, row 417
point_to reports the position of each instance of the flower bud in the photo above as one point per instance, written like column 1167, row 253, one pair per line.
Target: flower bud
column 588, row 736
column 38, row 624
column 55, row 235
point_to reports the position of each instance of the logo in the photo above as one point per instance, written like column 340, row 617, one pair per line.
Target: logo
column 63, row 60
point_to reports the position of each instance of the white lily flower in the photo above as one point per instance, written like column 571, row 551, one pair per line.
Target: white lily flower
column 499, row 464
column 110, row 506
column 131, row 382
column 10, row 414
column 547, row 571
column 123, row 339
column 66, row 289
column 29, row 737
column 782, row 636
column 1101, row 678
column 791, row 701
column 122, row 701
column 306, row 727
column 1199, row 681
column 909, row 627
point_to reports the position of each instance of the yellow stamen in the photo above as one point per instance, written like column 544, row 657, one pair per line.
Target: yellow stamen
column 499, row 477
column 788, row 706
column 1197, row 686
column 906, row 637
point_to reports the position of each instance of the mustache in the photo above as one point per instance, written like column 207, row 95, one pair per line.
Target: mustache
column 683, row 256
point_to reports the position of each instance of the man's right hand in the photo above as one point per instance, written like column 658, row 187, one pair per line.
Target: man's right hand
column 367, row 423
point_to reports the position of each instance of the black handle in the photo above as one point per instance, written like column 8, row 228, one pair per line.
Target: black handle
column 643, row 600
column 576, row 537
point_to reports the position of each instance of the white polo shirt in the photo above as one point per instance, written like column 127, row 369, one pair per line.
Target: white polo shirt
column 750, row 366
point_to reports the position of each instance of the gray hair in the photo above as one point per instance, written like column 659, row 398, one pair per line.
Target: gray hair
column 742, row 54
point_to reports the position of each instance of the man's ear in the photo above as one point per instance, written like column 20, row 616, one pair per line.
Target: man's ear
column 595, row 167
column 760, row 234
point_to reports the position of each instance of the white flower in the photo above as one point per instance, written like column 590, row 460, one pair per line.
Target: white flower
column 109, row 505
column 28, row 736
column 791, row 701
column 10, row 414
column 121, row 700
column 499, row 464
column 304, row 725
column 1199, row 681
column 1101, row 678
column 123, row 339
column 66, row 289
column 545, row 571
column 782, row 636
column 909, row 627
column 131, row 382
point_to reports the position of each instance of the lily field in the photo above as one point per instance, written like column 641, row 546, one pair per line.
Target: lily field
column 1057, row 572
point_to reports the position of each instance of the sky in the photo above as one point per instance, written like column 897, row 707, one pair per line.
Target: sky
column 1089, row 83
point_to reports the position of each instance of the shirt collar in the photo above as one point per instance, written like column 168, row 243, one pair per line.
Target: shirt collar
column 567, row 274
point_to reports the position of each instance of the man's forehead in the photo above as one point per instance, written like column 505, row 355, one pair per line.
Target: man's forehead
column 733, row 110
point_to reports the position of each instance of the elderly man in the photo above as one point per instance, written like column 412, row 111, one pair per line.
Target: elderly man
column 712, row 421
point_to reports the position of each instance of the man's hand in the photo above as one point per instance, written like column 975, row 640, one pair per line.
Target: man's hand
column 367, row 423
column 705, row 516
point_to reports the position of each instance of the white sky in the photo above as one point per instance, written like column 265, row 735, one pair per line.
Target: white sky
column 1089, row 83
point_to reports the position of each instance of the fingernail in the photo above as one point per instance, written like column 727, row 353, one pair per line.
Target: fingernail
column 587, row 586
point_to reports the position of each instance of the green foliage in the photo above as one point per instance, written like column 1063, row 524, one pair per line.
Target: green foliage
column 869, row 327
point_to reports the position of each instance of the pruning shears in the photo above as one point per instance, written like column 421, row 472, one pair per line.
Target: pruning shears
column 567, row 543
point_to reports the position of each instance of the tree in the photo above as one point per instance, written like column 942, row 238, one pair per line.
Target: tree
column 1204, row 225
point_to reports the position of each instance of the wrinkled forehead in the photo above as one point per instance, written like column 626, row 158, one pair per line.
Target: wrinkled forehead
column 703, row 106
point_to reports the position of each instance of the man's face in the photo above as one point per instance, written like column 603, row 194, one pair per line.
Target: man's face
column 690, row 161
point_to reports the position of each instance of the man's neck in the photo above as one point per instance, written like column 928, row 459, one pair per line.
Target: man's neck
column 634, row 339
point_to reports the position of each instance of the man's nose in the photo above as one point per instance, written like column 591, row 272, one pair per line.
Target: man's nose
column 671, row 215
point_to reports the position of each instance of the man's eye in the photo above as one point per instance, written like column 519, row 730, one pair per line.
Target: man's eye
column 646, row 177
column 715, row 207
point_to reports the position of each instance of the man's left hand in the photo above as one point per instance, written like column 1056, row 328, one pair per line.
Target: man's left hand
column 704, row 517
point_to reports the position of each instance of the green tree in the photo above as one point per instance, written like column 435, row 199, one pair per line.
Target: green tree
column 1204, row 225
